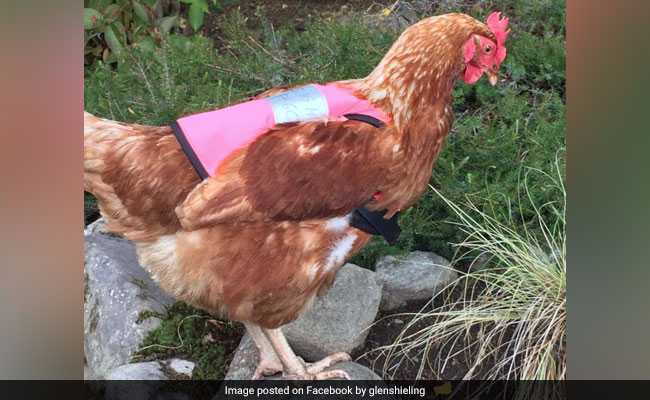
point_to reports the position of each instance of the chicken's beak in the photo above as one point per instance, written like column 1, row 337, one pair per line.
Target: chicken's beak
column 493, row 77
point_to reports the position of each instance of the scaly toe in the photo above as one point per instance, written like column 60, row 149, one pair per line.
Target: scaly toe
column 267, row 368
column 319, row 366
column 332, row 374
column 320, row 376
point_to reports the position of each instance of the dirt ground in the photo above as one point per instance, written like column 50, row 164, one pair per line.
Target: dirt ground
column 387, row 328
column 384, row 332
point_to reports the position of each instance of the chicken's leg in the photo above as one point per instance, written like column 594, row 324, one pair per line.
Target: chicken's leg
column 269, row 363
column 296, row 368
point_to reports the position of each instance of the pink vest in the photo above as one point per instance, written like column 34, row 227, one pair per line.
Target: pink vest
column 208, row 138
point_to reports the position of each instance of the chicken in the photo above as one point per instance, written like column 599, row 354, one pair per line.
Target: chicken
column 258, row 240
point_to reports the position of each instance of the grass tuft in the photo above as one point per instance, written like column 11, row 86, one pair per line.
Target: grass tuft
column 508, row 317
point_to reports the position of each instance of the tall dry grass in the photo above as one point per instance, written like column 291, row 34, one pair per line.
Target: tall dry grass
column 507, row 318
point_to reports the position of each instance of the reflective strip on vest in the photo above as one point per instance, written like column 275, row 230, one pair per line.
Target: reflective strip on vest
column 300, row 104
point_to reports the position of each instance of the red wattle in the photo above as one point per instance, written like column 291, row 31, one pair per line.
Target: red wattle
column 472, row 74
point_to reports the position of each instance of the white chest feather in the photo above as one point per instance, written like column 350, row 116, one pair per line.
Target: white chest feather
column 343, row 245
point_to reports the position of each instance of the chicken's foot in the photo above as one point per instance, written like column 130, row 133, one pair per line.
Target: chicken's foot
column 269, row 363
column 296, row 368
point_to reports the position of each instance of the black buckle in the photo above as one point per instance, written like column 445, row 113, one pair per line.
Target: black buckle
column 374, row 223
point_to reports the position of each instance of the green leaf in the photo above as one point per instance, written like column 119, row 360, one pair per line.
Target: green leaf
column 92, row 18
column 141, row 12
column 120, row 30
column 196, row 15
column 180, row 42
column 99, row 4
column 146, row 44
column 203, row 4
column 113, row 11
column 112, row 40
column 167, row 23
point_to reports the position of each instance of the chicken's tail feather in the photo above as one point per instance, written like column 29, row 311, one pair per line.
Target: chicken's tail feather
column 138, row 173
column 99, row 134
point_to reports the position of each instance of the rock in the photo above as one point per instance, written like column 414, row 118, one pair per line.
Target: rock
column 146, row 371
column 244, row 361
column 246, row 358
column 117, row 290
column 182, row 367
column 147, row 377
column 415, row 277
column 339, row 320
column 153, row 370
column 97, row 226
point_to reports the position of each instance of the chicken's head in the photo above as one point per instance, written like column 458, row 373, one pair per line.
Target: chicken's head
column 482, row 54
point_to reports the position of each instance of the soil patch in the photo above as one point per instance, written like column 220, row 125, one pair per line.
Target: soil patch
column 389, row 326
column 385, row 331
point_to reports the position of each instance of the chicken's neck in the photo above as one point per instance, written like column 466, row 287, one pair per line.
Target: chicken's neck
column 418, row 72
column 406, row 85
column 417, row 94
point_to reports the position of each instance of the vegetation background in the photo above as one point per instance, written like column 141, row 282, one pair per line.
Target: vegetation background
column 152, row 61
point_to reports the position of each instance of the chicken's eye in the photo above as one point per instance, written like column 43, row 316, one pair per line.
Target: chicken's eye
column 488, row 49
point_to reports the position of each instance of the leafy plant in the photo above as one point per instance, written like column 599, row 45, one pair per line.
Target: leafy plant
column 112, row 25
column 196, row 12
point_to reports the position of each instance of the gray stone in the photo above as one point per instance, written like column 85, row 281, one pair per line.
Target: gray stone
column 244, row 361
column 416, row 277
column 148, row 376
column 97, row 226
column 117, row 290
column 339, row 320
column 153, row 370
column 182, row 367
column 246, row 358
column 146, row 371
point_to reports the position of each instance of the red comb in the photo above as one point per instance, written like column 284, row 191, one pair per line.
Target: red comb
column 499, row 26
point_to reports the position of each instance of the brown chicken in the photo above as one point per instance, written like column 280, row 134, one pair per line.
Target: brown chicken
column 258, row 240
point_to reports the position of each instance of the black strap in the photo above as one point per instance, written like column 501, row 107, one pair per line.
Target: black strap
column 189, row 152
column 374, row 223
column 366, row 118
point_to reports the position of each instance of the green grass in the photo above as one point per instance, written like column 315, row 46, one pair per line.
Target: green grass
column 498, row 132
column 191, row 334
